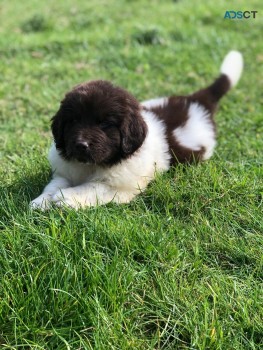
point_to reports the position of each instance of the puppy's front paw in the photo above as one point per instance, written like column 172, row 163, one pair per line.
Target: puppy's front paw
column 42, row 202
column 66, row 198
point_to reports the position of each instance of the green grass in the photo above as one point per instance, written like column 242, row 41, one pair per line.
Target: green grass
column 181, row 266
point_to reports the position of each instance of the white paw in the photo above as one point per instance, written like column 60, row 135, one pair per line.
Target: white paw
column 66, row 198
column 42, row 202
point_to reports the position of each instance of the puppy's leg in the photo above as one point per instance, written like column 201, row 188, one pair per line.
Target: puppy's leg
column 43, row 201
column 91, row 194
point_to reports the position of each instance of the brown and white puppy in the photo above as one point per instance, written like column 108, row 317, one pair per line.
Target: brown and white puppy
column 108, row 147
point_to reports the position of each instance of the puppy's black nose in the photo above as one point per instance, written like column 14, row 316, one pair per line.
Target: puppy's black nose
column 82, row 146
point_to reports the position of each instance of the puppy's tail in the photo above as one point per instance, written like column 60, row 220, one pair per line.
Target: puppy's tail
column 232, row 67
column 231, row 70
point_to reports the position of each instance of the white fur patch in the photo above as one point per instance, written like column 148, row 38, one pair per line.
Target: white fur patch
column 232, row 66
column 155, row 102
column 197, row 132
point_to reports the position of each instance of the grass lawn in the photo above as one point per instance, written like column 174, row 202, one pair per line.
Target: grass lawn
column 181, row 266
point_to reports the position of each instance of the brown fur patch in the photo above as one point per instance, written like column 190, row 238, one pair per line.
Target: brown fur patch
column 102, row 116
column 174, row 114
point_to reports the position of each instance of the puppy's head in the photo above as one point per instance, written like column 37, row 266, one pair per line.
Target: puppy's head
column 98, row 123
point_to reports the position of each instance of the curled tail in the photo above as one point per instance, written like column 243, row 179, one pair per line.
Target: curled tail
column 231, row 70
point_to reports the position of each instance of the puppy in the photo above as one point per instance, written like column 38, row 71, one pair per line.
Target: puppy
column 108, row 147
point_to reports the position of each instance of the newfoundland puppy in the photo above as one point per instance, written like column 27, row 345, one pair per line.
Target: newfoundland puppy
column 108, row 146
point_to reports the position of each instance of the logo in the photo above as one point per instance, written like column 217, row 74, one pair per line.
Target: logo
column 240, row 14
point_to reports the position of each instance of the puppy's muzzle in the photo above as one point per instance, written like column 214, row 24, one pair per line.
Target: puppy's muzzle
column 82, row 151
column 82, row 147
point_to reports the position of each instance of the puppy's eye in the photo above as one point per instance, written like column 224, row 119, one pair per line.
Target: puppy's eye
column 107, row 125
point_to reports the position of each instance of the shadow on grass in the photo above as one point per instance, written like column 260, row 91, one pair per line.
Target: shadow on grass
column 37, row 23
column 16, row 196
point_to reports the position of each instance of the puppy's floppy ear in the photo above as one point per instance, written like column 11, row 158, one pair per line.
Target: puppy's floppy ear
column 133, row 132
column 57, row 129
